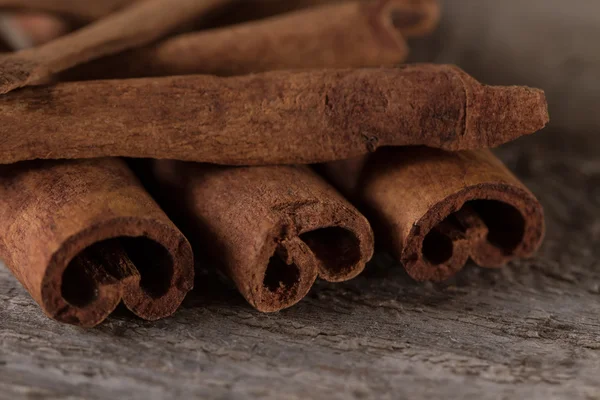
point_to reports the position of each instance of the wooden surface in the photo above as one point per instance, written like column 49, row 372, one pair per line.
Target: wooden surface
column 530, row 330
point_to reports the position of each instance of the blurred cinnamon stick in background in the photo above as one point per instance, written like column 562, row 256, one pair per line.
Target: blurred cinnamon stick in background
column 83, row 10
column 355, row 33
column 434, row 210
column 273, row 230
column 278, row 117
column 136, row 25
column 83, row 235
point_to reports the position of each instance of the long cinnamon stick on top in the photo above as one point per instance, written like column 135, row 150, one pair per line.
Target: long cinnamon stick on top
column 83, row 235
column 271, row 229
column 137, row 25
column 433, row 209
column 280, row 117
column 353, row 34
column 86, row 10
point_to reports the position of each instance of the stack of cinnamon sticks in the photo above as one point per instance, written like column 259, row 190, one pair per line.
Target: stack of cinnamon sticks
column 266, row 129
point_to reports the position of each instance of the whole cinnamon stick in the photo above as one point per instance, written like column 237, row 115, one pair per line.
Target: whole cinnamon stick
column 280, row 117
column 434, row 210
column 137, row 25
column 358, row 33
column 83, row 235
column 271, row 229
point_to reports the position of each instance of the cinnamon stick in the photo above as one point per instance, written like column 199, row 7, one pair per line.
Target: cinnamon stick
column 434, row 210
column 83, row 235
column 358, row 33
column 85, row 10
column 273, row 230
column 137, row 25
column 280, row 117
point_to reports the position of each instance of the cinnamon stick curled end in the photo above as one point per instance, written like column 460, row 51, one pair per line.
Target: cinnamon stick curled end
column 434, row 210
column 273, row 230
column 409, row 17
column 82, row 236
column 488, row 223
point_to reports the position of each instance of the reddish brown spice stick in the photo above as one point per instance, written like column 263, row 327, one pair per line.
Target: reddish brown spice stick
column 361, row 34
column 83, row 235
column 134, row 26
column 280, row 117
column 79, row 9
column 273, row 230
column 434, row 210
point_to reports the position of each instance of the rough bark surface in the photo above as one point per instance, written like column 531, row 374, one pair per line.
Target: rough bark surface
column 272, row 229
column 433, row 210
column 529, row 330
column 278, row 117
column 82, row 235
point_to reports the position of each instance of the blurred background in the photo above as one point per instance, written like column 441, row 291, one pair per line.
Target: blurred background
column 550, row 44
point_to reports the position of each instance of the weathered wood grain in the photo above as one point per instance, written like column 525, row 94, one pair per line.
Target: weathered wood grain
column 531, row 330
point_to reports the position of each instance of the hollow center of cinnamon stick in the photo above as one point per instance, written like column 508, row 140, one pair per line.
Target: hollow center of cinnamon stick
column 153, row 262
column 111, row 260
column 437, row 248
column 505, row 229
column 78, row 285
column 280, row 276
column 336, row 248
column 505, row 223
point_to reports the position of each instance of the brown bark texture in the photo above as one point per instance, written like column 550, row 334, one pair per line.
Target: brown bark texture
column 134, row 26
column 351, row 34
column 434, row 210
column 83, row 235
column 273, row 230
column 279, row 117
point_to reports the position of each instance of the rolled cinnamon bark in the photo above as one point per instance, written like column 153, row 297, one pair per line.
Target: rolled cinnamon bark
column 273, row 230
column 83, row 235
column 358, row 33
column 137, row 25
column 434, row 210
column 280, row 117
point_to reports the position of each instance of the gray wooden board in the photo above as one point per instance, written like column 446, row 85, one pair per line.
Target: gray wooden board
column 530, row 330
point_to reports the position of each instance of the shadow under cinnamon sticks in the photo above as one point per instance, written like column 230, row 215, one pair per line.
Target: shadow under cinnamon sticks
column 273, row 230
column 433, row 210
column 82, row 236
